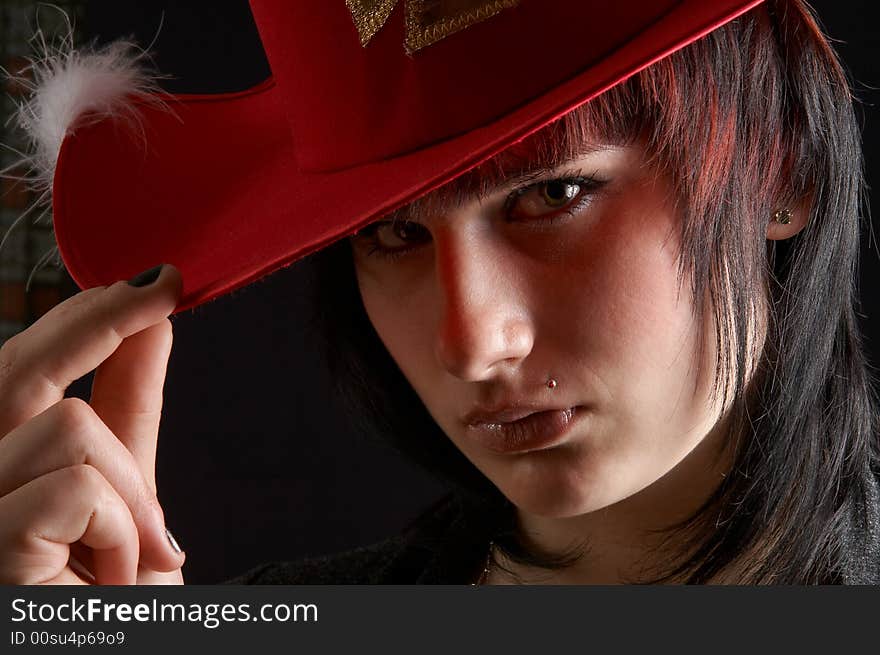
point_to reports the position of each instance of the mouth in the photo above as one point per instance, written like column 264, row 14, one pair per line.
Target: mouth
column 533, row 431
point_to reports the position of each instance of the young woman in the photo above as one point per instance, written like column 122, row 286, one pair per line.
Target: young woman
column 626, row 337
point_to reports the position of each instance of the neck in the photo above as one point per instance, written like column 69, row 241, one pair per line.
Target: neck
column 629, row 541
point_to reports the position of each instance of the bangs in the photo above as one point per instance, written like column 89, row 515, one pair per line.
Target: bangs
column 604, row 122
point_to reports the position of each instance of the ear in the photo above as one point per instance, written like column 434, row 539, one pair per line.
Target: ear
column 797, row 220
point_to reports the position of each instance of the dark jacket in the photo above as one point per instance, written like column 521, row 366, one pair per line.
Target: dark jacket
column 447, row 544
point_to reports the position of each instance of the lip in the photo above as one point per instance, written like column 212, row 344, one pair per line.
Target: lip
column 532, row 430
column 508, row 413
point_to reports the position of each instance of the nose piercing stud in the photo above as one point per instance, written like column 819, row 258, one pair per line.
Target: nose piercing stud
column 551, row 383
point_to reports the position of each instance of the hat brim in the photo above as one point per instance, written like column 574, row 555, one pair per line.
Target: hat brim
column 214, row 187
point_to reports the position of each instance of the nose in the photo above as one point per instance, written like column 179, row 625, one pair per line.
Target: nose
column 485, row 327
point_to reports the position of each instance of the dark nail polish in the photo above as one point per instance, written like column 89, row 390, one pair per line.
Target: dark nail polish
column 172, row 541
column 147, row 277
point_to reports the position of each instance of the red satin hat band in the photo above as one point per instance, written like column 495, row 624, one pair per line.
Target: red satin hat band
column 231, row 187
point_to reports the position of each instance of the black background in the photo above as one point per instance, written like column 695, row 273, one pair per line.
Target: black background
column 256, row 461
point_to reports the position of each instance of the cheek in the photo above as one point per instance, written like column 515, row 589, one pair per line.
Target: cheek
column 634, row 323
column 401, row 323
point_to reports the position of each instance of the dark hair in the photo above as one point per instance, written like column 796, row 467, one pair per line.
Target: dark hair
column 753, row 117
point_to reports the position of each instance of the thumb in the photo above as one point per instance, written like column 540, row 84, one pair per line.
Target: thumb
column 128, row 385
column 127, row 393
column 127, row 397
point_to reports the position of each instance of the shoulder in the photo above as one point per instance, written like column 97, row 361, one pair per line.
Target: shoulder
column 398, row 559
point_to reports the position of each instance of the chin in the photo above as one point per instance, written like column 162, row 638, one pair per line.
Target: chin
column 557, row 496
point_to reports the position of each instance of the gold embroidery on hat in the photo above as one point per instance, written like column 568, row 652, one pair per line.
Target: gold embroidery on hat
column 427, row 21
column 369, row 16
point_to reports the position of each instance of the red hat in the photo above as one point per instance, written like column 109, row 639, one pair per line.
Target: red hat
column 370, row 106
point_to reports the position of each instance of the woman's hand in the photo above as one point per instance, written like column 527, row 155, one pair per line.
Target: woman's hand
column 77, row 480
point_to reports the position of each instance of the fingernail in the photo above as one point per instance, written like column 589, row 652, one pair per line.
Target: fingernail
column 147, row 277
column 172, row 541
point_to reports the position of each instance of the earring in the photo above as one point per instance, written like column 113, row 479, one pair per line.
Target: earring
column 551, row 383
column 783, row 216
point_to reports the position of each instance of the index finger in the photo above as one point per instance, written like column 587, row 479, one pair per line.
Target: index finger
column 73, row 338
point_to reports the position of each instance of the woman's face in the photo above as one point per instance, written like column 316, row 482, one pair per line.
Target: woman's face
column 574, row 280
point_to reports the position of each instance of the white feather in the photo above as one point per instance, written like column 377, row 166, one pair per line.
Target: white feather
column 67, row 88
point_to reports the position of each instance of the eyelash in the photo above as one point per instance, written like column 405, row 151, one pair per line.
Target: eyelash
column 588, row 185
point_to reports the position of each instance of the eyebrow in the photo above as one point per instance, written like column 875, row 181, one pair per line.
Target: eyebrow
column 519, row 164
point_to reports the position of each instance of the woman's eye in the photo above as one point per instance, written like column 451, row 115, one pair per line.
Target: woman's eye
column 554, row 194
column 400, row 234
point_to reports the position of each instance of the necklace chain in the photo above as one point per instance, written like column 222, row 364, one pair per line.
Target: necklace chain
column 484, row 575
